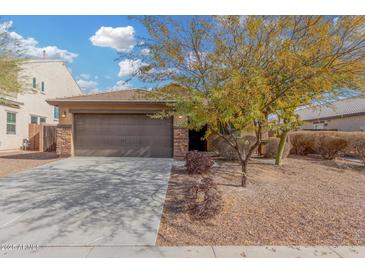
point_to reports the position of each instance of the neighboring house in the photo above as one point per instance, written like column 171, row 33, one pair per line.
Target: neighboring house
column 118, row 124
column 343, row 115
column 42, row 79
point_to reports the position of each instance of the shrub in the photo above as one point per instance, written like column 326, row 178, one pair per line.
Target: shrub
column 325, row 142
column 197, row 162
column 271, row 148
column 205, row 199
column 302, row 143
column 329, row 147
column 226, row 151
column 359, row 147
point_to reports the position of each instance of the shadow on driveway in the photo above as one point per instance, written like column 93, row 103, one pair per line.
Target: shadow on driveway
column 85, row 201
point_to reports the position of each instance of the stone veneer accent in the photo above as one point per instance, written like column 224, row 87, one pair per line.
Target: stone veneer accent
column 181, row 142
column 64, row 140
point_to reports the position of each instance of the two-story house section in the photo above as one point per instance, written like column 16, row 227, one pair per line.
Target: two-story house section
column 42, row 79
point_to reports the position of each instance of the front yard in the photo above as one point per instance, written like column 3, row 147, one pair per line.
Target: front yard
column 307, row 201
column 12, row 162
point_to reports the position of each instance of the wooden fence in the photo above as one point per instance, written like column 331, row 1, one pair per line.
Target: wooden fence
column 42, row 137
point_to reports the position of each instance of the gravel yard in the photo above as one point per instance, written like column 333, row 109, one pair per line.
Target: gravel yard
column 14, row 161
column 307, row 201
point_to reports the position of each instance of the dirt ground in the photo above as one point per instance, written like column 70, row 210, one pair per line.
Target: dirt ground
column 14, row 161
column 306, row 201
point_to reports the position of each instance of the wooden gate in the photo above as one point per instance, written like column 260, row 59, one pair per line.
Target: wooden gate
column 42, row 137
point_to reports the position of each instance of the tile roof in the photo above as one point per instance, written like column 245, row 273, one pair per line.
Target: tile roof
column 345, row 107
column 131, row 95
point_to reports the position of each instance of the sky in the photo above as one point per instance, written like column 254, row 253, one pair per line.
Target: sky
column 88, row 44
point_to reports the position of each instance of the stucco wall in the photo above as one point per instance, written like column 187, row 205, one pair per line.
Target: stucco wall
column 351, row 123
column 58, row 83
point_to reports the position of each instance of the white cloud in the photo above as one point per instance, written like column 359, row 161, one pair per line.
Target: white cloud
column 128, row 67
column 84, row 76
column 28, row 46
column 121, row 38
column 5, row 26
column 145, row 51
column 121, row 85
column 86, row 85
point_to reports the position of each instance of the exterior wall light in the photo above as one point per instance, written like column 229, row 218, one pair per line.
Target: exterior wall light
column 64, row 114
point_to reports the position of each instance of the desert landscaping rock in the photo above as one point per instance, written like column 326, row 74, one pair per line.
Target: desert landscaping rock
column 306, row 201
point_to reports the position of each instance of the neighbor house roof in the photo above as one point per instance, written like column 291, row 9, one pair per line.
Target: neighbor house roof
column 341, row 108
column 121, row 96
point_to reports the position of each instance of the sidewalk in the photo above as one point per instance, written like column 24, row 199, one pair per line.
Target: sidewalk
column 188, row 252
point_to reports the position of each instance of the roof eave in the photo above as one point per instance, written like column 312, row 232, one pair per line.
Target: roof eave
column 11, row 101
column 121, row 102
column 335, row 116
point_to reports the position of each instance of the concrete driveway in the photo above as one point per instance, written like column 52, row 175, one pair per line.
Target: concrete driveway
column 85, row 201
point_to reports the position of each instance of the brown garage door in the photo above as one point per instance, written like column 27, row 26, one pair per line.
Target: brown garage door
column 122, row 135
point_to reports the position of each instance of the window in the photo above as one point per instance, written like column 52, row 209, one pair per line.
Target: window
column 33, row 119
column 318, row 125
column 56, row 113
column 42, row 86
column 34, row 82
column 11, row 123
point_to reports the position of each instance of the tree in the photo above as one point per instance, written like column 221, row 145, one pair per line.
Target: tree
column 238, row 70
column 323, row 58
column 10, row 63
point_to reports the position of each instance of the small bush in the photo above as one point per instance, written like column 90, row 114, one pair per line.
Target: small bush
column 205, row 199
column 359, row 147
column 329, row 147
column 328, row 144
column 271, row 148
column 302, row 143
column 197, row 162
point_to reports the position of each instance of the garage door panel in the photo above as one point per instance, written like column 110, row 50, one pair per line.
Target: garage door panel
column 122, row 135
column 132, row 151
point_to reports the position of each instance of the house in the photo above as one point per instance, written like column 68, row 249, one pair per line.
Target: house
column 343, row 115
column 42, row 79
column 118, row 123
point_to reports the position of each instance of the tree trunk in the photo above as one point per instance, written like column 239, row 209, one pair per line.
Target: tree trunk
column 281, row 147
column 244, row 174
column 259, row 149
column 243, row 158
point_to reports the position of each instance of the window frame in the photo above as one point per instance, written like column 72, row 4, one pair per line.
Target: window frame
column 39, row 120
column 11, row 123
column 34, row 83
column 319, row 126
column 34, row 116
column 56, row 118
column 43, row 89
